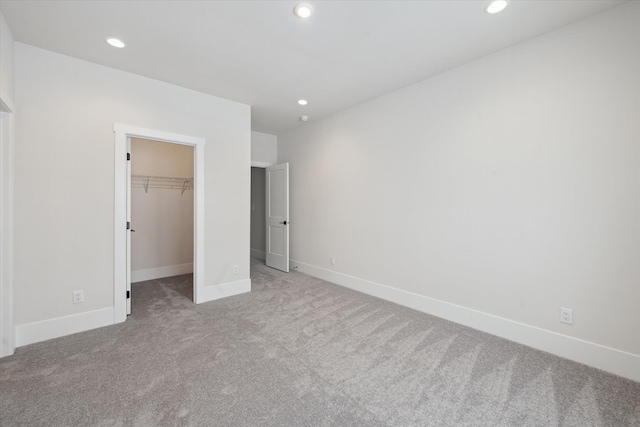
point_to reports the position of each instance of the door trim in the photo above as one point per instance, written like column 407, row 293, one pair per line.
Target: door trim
column 262, row 165
column 121, row 273
column 7, row 290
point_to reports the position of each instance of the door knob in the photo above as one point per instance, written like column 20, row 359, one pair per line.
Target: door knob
column 284, row 222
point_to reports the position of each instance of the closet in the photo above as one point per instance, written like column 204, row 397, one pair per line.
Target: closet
column 162, row 202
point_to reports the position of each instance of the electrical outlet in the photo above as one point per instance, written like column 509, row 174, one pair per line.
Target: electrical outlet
column 332, row 260
column 566, row 315
column 78, row 297
column 236, row 269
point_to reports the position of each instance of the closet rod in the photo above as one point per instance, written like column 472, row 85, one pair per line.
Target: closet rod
column 166, row 182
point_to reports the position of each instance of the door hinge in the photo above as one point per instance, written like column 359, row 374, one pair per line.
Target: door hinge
column 128, row 156
column 128, row 294
column 128, row 225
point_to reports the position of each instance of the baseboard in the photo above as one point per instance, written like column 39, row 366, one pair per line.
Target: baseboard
column 257, row 253
column 30, row 333
column 595, row 355
column 223, row 290
column 160, row 272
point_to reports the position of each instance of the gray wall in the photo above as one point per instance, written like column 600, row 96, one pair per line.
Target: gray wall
column 257, row 209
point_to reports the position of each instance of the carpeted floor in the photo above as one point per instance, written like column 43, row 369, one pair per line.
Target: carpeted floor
column 298, row 351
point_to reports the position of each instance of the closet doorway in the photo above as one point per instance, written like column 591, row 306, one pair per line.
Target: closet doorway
column 122, row 212
column 162, row 215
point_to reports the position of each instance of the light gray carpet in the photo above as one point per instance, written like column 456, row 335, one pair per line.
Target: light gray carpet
column 298, row 351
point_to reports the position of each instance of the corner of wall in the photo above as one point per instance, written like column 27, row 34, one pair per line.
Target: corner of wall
column 6, row 64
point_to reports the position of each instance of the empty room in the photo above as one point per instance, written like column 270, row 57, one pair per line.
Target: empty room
column 320, row 213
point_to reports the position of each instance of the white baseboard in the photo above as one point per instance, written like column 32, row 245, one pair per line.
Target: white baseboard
column 257, row 253
column 608, row 359
column 30, row 333
column 160, row 272
column 223, row 290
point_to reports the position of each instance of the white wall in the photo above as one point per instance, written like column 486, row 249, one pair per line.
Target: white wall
column 65, row 177
column 264, row 148
column 258, row 218
column 7, row 93
column 162, row 245
column 508, row 186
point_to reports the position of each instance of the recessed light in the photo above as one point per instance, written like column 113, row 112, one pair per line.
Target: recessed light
column 302, row 102
column 496, row 6
column 116, row 43
column 303, row 10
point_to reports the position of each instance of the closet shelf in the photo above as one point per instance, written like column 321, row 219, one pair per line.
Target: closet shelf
column 166, row 182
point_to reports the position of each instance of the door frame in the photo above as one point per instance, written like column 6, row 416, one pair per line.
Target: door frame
column 7, row 290
column 262, row 256
column 122, row 273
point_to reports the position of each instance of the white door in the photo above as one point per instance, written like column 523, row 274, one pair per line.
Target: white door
column 129, row 226
column 277, row 210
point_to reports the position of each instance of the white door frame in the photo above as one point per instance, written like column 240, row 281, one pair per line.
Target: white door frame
column 258, row 253
column 121, row 272
column 261, row 165
column 7, row 321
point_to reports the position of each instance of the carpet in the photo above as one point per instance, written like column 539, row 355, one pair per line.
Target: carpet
column 298, row 351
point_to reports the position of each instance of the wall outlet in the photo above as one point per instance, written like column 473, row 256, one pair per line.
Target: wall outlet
column 566, row 315
column 332, row 260
column 236, row 269
column 78, row 297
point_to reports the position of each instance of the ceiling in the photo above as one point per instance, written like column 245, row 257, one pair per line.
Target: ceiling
column 260, row 53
